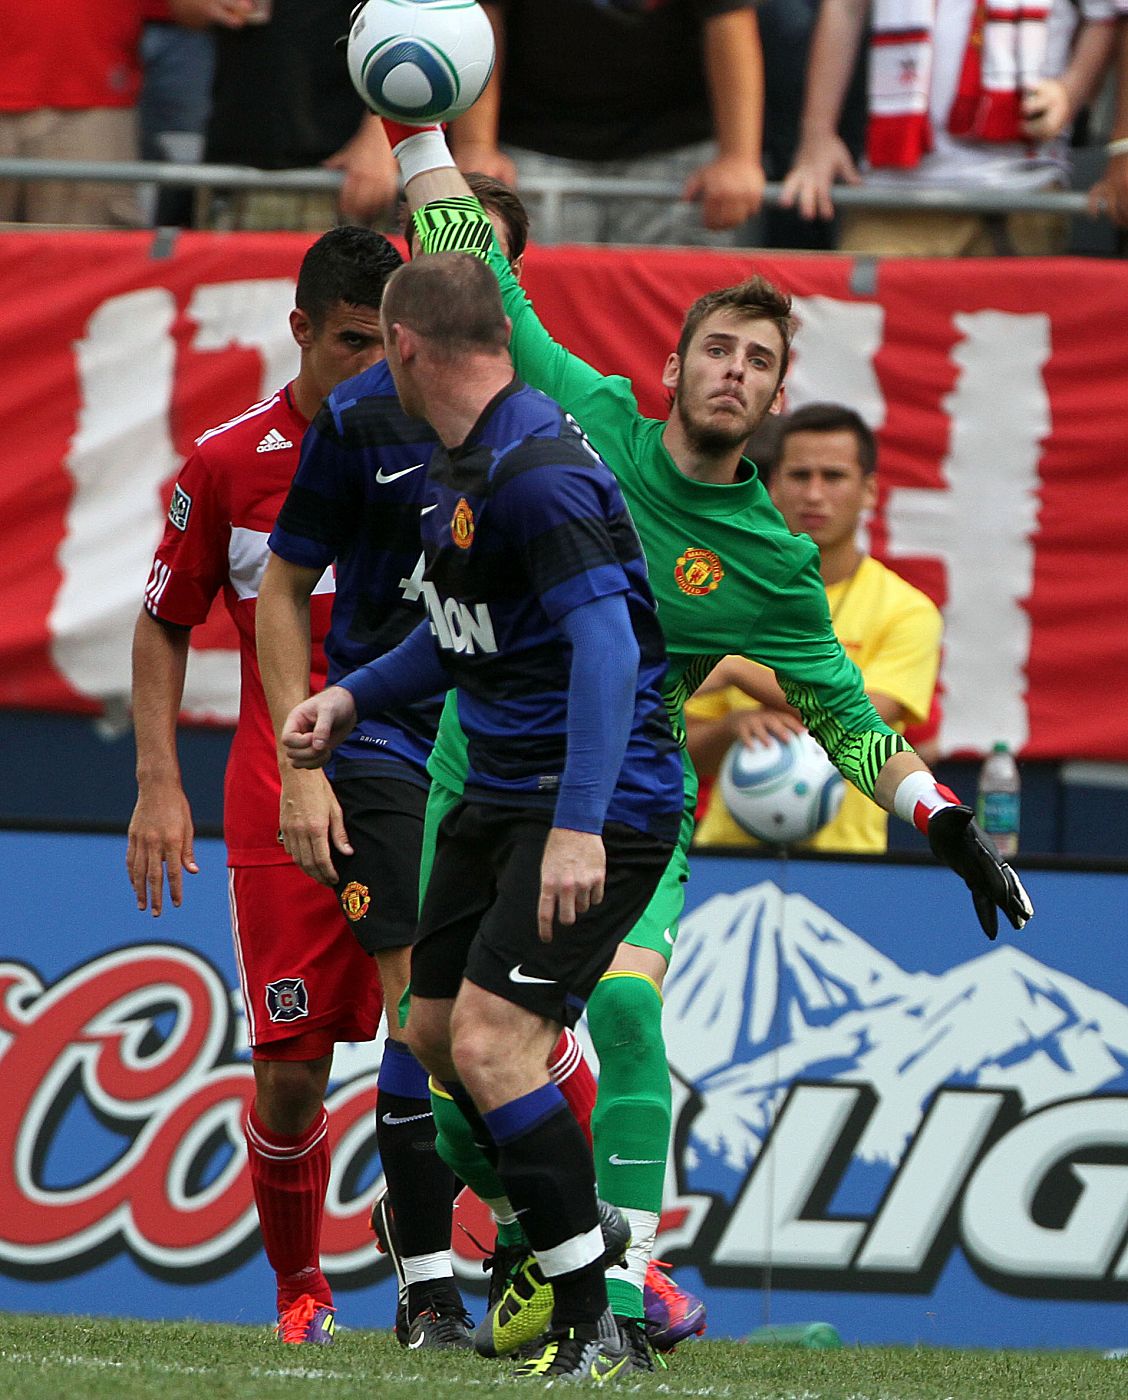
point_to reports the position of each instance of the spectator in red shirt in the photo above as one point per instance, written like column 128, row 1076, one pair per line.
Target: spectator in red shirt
column 69, row 86
column 68, row 89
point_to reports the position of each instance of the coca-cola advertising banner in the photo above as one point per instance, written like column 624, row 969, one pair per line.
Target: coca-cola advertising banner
column 880, row 1119
column 997, row 387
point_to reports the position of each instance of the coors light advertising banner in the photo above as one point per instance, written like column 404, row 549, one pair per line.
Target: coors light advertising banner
column 880, row 1119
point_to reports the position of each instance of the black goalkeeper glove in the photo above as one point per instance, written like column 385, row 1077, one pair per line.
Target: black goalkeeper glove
column 959, row 842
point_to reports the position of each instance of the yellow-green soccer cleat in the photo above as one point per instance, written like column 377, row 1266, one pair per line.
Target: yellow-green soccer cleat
column 523, row 1310
column 519, row 1316
column 566, row 1357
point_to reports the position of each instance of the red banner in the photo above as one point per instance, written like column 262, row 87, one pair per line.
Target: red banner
column 996, row 386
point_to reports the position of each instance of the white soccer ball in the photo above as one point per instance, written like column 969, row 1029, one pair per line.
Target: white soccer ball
column 781, row 793
column 420, row 61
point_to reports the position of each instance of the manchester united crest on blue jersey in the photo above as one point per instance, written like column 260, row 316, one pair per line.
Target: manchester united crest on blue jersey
column 286, row 999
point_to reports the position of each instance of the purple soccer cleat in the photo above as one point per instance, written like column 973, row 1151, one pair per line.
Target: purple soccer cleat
column 672, row 1314
column 306, row 1321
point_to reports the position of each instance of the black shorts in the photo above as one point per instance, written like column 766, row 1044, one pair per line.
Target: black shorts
column 479, row 917
column 378, row 888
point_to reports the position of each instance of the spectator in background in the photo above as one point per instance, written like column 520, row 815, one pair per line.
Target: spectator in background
column 178, row 67
column 940, row 116
column 1110, row 194
column 786, row 27
column 823, row 481
column 282, row 100
column 671, row 90
column 69, row 80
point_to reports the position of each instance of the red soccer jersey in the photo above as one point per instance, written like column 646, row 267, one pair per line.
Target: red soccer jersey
column 225, row 502
column 61, row 54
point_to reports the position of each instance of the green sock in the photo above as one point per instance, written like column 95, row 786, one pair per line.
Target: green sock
column 455, row 1144
column 633, row 1108
column 510, row 1233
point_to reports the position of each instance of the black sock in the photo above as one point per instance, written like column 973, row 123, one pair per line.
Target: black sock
column 545, row 1164
column 420, row 1184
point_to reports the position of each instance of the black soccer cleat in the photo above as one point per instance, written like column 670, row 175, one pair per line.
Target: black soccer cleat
column 442, row 1322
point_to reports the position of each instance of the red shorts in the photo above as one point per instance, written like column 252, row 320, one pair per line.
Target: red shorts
column 301, row 971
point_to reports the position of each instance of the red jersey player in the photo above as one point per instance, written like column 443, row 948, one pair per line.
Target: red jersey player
column 305, row 980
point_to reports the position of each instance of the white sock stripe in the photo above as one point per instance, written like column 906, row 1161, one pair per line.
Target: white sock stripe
column 644, row 1230
column 274, row 1153
column 422, row 1267
column 572, row 1254
column 568, row 1062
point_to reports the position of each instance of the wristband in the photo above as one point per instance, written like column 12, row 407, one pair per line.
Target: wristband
column 918, row 796
column 1119, row 147
column 418, row 149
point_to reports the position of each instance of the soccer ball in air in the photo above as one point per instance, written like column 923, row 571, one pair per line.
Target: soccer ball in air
column 420, row 61
column 781, row 793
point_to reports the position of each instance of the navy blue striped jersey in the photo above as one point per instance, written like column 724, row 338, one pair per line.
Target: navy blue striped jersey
column 529, row 524
column 355, row 499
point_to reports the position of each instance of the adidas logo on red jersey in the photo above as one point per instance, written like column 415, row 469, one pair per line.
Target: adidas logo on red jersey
column 273, row 442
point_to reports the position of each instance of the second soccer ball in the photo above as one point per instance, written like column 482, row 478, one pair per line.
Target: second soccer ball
column 781, row 793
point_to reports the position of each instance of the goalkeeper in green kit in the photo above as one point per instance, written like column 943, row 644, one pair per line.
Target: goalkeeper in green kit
column 729, row 579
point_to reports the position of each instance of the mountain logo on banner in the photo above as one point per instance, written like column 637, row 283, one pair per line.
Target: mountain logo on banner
column 767, row 987
column 860, row 1119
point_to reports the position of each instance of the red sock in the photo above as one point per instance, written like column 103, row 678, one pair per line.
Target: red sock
column 572, row 1075
column 289, row 1176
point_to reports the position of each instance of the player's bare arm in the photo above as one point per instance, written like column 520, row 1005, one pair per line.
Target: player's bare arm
column 160, row 830
column 314, row 728
column 309, row 817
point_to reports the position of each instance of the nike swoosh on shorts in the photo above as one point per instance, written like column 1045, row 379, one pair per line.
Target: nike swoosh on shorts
column 516, row 975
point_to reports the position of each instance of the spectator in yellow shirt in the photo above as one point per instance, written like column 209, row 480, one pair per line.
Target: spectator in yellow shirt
column 823, row 480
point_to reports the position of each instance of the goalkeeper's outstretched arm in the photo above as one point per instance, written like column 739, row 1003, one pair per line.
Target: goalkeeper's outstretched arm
column 425, row 162
column 905, row 786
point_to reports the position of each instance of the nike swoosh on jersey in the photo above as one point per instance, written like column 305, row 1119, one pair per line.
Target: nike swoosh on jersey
column 428, row 509
column 617, row 1161
column 383, row 477
column 516, row 975
column 411, row 1118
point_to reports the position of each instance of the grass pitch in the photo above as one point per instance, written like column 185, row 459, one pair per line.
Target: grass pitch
column 57, row 1358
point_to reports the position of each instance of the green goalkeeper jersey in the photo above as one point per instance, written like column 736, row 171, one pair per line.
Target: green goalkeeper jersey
column 728, row 575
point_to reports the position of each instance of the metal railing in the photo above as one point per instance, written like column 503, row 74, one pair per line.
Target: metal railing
column 550, row 190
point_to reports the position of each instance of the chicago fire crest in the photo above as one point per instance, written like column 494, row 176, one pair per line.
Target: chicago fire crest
column 287, row 999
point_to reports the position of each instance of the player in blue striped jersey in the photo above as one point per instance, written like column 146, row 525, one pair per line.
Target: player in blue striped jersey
column 541, row 615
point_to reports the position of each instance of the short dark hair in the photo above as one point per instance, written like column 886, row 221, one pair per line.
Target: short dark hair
column 756, row 298
column 347, row 264
column 452, row 300
column 831, row 418
column 495, row 197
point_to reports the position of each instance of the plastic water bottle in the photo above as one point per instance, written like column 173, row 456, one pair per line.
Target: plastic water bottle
column 816, row 1336
column 998, row 800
